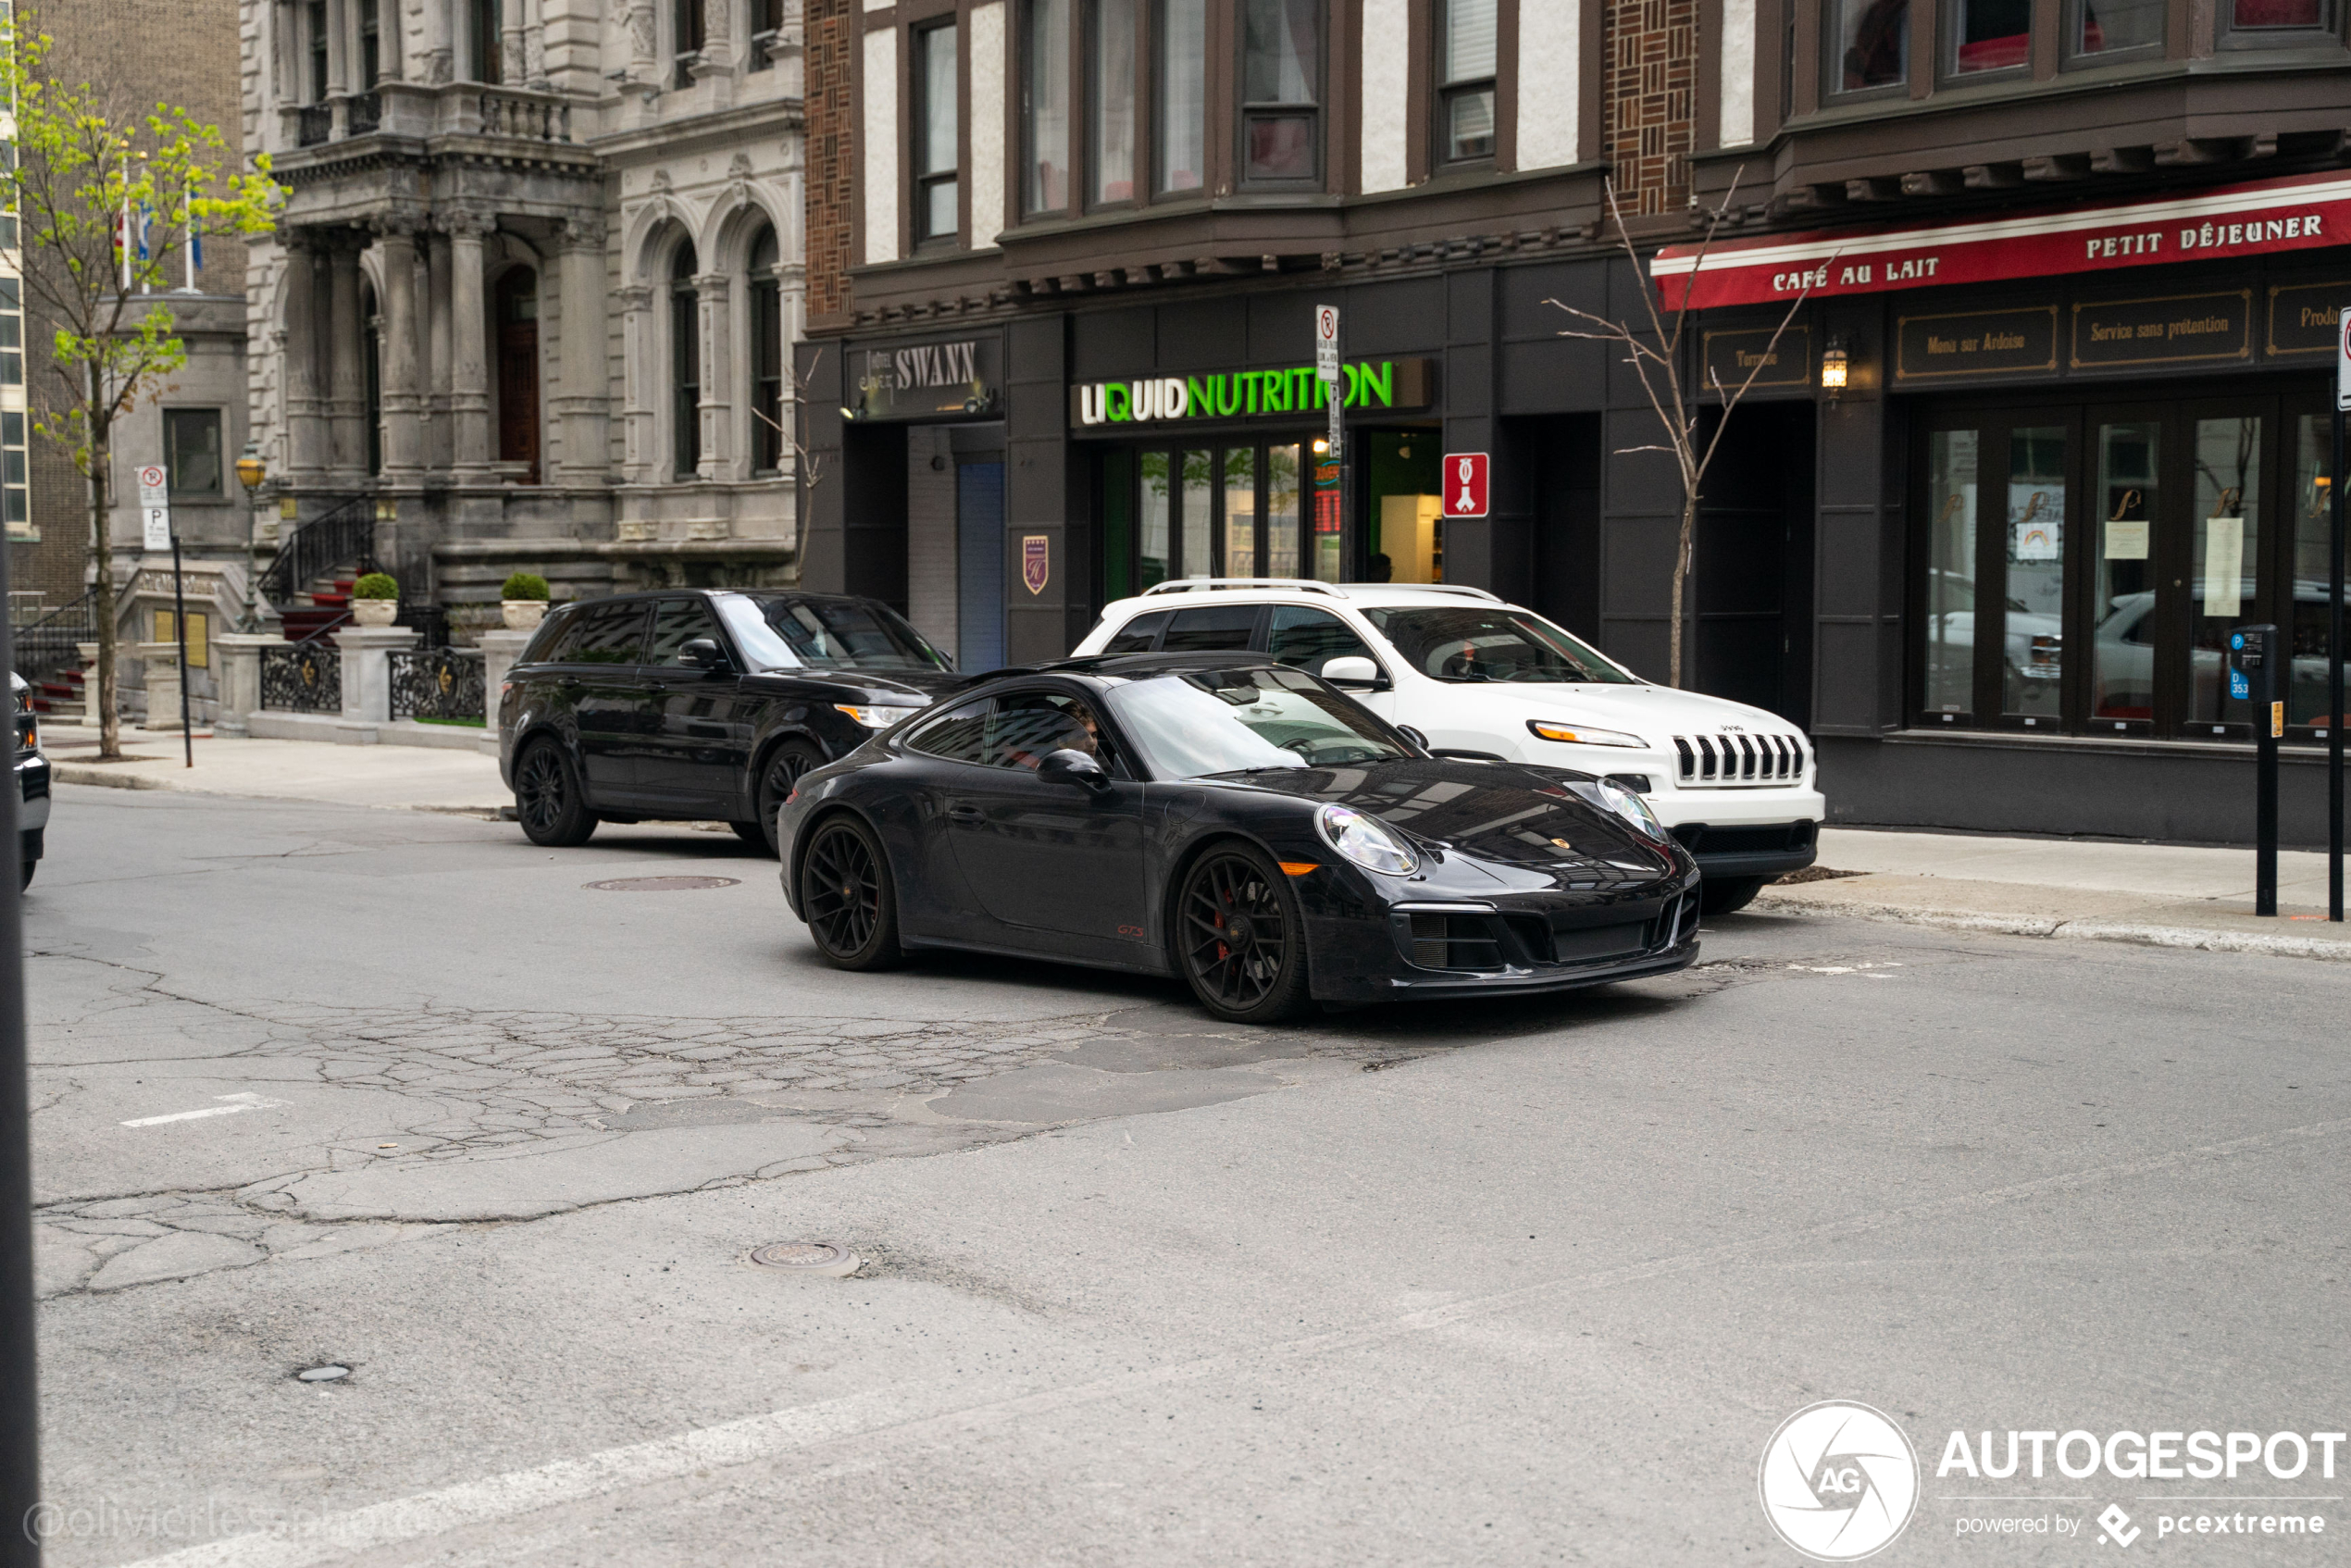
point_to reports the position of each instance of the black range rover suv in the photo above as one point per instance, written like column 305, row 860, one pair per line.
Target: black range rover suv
column 700, row 705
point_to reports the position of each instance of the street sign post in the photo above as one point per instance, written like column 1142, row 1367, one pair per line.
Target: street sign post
column 2254, row 673
column 154, row 510
column 1326, row 370
column 2334, row 621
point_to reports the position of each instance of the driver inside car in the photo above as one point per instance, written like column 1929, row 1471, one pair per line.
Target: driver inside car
column 1032, row 727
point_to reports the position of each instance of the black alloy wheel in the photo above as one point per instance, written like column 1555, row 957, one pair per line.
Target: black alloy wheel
column 1240, row 939
column 846, row 896
column 1729, row 895
column 778, row 778
column 549, row 803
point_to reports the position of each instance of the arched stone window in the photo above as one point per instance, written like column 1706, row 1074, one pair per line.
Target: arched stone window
column 685, row 364
column 767, row 357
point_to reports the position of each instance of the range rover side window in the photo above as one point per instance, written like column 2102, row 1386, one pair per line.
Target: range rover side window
column 1139, row 635
column 958, row 735
column 556, row 634
column 609, row 634
column 677, row 622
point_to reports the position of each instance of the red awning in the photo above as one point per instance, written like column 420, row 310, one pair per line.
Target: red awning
column 2306, row 212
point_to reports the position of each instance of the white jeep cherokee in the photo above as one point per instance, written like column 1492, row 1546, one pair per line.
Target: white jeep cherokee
column 1480, row 677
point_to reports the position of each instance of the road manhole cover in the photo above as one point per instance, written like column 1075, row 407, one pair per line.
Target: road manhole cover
column 661, row 884
column 807, row 1257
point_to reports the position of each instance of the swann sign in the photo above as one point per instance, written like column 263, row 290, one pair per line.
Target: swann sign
column 926, row 380
column 1371, row 383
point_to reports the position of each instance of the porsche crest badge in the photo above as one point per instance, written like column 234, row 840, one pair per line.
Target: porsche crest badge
column 1036, row 561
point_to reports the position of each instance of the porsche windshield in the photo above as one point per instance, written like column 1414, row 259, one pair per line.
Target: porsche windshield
column 1473, row 642
column 1234, row 721
column 826, row 633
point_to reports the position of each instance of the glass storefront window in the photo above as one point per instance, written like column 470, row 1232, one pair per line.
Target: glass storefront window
column 1152, row 538
column 2123, row 635
column 1282, row 512
column 1240, row 512
column 2305, row 698
column 1871, row 45
column 2226, row 590
column 1950, row 580
column 1329, row 527
column 2034, row 640
column 1198, row 559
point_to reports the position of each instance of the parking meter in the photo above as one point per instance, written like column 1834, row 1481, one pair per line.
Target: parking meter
column 2254, row 664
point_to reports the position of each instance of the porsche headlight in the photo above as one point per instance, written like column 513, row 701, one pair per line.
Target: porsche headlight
column 1366, row 840
column 1635, row 810
column 876, row 718
column 1581, row 734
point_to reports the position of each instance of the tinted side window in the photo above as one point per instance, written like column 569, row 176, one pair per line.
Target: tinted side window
column 1029, row 726
column 677, row 622
column 959, row 734
column 556, row 633
column 609, row 634
column 1212, row 627
column 1311, row 639
column 1139, row 635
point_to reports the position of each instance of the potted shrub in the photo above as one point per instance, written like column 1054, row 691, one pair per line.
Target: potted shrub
column 375, row 599
column 524, row 600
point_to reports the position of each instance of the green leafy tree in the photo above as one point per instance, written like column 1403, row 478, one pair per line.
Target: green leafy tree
column 86, row 155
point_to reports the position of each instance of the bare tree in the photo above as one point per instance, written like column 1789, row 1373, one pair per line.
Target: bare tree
column 1656, row 355
column 809, row 467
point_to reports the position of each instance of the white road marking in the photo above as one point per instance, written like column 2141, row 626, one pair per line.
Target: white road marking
column 238, row 1102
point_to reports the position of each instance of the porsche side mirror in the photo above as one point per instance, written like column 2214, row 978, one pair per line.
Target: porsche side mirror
column 1414, row 736
column 703, row 653
column 1353, row 669
column 1070, row 766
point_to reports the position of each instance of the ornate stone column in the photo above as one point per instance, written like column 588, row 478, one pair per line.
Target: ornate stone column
column 583, row 395
column 403, row 397
column 639, row 381
column 714, row 292
column 512, row 68
column 347, row 365
column 306, row 410
column 468, row 346
column 439, row 451
column 439, row 63
column 534, row 48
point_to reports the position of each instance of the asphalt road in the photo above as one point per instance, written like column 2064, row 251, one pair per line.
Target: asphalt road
column 1532, row 1283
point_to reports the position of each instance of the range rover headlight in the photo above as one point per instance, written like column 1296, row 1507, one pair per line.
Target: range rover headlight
column 1366, row 840
column 876, row 718
column 1581, row 734
column 1635, row 810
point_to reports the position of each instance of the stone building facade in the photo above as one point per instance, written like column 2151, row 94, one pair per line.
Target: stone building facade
column 531, row 298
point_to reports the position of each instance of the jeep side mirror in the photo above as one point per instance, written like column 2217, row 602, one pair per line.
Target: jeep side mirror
column 1353, row 669
column 703, row 653
column 1070, row 766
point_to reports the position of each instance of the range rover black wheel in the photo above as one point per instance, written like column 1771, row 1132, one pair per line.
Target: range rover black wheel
column 1240, row 939
column 778, row 776
column 548, row 801
column 846, row 895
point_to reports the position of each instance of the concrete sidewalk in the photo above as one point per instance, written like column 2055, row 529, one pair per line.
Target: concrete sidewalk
column 2159, row 894
column 2163, row 895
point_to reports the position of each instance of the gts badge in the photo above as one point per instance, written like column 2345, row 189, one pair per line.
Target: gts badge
column 1130, row 930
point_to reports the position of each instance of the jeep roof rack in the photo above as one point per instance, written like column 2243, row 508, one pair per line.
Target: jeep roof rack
column 1195, row 584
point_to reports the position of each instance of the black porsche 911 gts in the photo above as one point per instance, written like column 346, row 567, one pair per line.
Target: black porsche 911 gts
column 1236, row 821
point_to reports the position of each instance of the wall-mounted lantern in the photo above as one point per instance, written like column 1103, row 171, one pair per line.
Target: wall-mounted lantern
column 1833, row 362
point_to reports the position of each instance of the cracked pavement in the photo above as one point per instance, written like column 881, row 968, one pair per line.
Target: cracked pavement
column 1526, row 1283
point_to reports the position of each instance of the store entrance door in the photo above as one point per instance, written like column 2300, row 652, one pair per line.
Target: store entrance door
column 979, row 566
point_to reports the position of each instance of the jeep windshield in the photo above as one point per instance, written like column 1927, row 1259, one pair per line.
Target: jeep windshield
column 1478, row 643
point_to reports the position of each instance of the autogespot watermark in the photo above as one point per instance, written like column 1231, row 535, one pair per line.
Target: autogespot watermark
column 1840, row 1481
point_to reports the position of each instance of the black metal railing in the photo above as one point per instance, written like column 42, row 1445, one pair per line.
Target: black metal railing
column 363, row 112
column 302, row 677
column 341, row 536
column 437, row 683
column 314, row 123
column 428, row 620
column 45, row 646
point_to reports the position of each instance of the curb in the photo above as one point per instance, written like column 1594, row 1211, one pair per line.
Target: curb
column 2138, row 933
column 105, row 778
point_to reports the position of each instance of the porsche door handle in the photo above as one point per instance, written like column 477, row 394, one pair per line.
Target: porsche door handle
column 964, row 815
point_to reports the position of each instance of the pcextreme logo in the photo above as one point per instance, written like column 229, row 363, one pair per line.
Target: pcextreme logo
column 1839, row 1481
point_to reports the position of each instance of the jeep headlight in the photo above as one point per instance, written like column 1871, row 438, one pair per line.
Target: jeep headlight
column 1573, row 734
column 1366, row 840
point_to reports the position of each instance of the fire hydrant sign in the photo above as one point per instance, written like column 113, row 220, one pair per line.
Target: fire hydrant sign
column 154, row 506
column 1465, row 484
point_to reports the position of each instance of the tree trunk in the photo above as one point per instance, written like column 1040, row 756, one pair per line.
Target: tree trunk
column 1683, row 549
column 102, row 552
